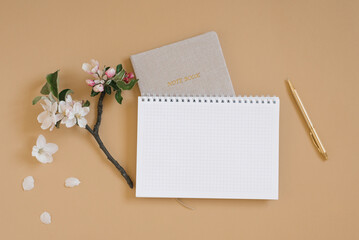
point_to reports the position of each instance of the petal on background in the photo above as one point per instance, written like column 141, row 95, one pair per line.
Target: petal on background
column 64, row 120
column 49, row 158
column 43, row 107
column 46, row 123
column 62, row 105
column 82, row 122
column 35, row 151
column 86, row 67
column 77, row 107
column 71, row 122
column 44, row 157
column 51, row 148
column 28, row 183
column 58, row 117
column 42, row 116
column 41, row 141
column 72, row 182
column 52, row 126
column 48, row 104
column 68, row 99
column 94, row 62
column 84, row 111
column 54, row 107
column 45, row 218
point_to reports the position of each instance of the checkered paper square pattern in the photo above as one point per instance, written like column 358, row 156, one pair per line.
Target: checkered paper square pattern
column 208, row 147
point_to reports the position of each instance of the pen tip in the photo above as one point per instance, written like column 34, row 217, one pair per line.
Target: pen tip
column 325, row 156
column 289, row 83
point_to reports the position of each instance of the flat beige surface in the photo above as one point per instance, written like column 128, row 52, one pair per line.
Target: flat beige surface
column 315, row 43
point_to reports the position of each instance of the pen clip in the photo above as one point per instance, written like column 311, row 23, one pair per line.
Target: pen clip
column 315, row 142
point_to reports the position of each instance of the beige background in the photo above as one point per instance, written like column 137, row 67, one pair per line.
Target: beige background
column 315, row 43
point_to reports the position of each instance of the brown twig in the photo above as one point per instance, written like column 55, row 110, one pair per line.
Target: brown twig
column 95, row 134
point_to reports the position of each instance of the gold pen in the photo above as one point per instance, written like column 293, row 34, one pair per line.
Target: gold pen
column 313, row 134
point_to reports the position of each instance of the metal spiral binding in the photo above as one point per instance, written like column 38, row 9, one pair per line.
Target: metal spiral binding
column 209, row 99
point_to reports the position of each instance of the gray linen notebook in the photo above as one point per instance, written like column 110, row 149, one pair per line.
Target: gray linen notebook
column 194, row 66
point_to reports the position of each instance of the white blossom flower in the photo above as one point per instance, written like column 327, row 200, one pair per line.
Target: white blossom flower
column 65, row 108
column 43, row 151
column 49, row 117
column 45, row 218
column 72, row 182
column 77, row 115
column 92, row 67
column 28, row 183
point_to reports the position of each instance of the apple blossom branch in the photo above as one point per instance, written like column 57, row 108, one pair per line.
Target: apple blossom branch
column 99, row 112
column 95, row 134
column 60, row 109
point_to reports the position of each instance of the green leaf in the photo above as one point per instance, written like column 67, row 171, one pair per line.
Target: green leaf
column 106, row 68
column 93, row 93
column 118, row 68
column 128, row 86
column 64, row 93
column 118, row 96
column 119, row 76
column 45, row 89
column 108, row 90
column 36, row 99
column 86, row 104
column 53, row 83
column 114, row 85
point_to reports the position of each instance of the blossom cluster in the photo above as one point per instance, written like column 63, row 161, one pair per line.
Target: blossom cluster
column 103, row 77
column 66, row 112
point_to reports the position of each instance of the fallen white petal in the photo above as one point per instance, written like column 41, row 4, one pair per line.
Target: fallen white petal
column 41, row 141
column 45, row 217
column 28, row 183
column 72, row 182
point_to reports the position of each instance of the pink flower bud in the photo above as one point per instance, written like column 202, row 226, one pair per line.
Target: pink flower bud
column 130, row 75
column 126, row 80
column 110, row 72
column 90, row 82
column 98, row 88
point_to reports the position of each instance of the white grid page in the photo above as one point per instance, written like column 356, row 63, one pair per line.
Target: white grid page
column 195, row 147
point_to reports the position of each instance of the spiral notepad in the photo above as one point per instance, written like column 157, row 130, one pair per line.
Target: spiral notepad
column 208, row 147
